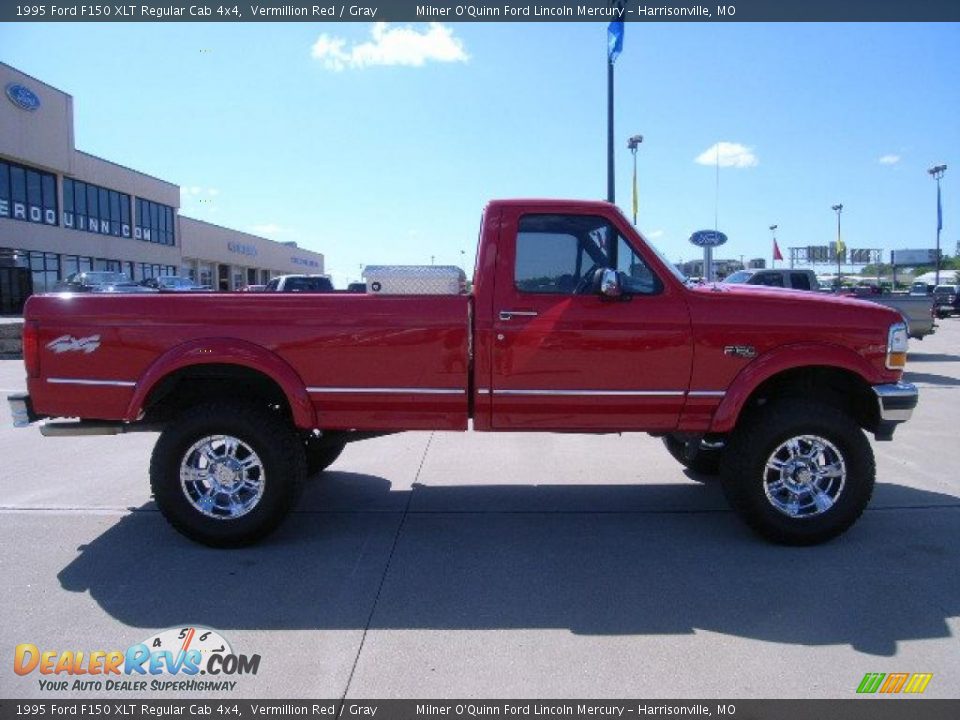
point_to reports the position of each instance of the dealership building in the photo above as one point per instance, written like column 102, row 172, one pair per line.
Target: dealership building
column 64, row 211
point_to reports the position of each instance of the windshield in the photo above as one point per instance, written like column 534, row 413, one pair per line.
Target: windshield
column 669, row 265
column 741, row 276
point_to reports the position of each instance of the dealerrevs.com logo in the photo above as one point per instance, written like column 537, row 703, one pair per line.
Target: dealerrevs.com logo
column 177, row 659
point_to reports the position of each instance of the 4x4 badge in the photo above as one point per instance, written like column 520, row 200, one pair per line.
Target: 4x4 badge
column 68, row 343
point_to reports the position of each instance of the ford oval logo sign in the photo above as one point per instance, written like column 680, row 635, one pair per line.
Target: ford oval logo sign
column 708, row 238
column 23, row 97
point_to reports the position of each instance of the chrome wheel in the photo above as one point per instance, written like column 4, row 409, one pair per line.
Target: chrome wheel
column 222, row 477
column 804, row 476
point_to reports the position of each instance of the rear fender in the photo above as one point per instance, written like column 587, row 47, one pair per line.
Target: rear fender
column 227, row 351
column 788, row 357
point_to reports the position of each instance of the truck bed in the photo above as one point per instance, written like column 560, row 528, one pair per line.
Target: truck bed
column 363, row 362
column 917, row 311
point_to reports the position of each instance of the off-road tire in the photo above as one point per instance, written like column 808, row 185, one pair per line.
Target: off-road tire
column 321, row 455
column 689, row 454
column 762, row 431
column 273, row 439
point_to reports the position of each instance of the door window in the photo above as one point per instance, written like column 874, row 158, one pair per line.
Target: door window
column 800, row 281
column 560, row 254
column 769, row 279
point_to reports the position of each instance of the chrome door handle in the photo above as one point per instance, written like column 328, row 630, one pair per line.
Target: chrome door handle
column 507, row 314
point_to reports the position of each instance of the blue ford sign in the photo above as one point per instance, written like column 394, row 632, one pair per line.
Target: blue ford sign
column 23, row 97
column 708, row 238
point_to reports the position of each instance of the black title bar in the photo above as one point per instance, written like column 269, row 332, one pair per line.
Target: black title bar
column 464, row 11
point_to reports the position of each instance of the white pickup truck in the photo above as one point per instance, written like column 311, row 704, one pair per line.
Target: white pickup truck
column 917, row 311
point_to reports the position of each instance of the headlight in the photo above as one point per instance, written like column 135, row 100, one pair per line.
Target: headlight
column 897, row 342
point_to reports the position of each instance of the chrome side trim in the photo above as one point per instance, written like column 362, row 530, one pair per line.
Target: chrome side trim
column 483, row 391
column 81, row 381
column 896, row 401
column 387, row 390
column 632, row 393
column 707, row 393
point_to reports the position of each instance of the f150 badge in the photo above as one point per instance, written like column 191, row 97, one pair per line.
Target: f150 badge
column 744, row 351
column 68, row 343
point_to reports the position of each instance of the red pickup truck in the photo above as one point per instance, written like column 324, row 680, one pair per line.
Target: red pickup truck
column 575, row 324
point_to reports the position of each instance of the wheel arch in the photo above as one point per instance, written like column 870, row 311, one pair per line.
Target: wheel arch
column 828, row 373
column 187, row 369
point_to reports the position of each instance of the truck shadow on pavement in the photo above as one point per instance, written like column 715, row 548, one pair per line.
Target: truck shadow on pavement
column 930, row 378
column 932, row 357
column 593, row 559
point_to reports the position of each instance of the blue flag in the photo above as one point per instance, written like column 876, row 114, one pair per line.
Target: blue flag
column 614, row 40
column 939, row 210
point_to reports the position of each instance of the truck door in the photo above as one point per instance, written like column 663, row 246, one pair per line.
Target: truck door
column 566, row 358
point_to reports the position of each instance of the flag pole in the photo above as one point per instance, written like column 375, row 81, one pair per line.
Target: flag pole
column 611, row 195
column 614, row 46
column 773, row 232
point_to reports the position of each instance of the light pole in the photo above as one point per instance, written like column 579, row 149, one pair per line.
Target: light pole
column 773, row 234
column 633, row 144
column 838, row 208
column 936, row 172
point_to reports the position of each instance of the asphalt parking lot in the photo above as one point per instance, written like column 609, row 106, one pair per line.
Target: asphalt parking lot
column 449, row 565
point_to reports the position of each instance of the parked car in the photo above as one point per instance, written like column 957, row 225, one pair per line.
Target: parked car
column 300, row 283
column 575, row 324
column 917, row 312
column 357, row 287
column 252, row 288
column 946, row 300
column 774, row 277
column 100, row 281
column 174, row 283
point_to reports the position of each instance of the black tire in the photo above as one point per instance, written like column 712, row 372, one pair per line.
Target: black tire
column 321, row 454
column 744, row 470
column 689, row 454
column 282, row 464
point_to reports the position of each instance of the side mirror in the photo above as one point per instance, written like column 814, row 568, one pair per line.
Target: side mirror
column 607, row 283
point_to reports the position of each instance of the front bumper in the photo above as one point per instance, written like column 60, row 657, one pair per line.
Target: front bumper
column 896, row 401
column 21, row 410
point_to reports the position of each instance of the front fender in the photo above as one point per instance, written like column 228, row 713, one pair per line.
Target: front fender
column 227, row 351
column 781, row 359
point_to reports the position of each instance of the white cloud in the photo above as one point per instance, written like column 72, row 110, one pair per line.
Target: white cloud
column 397, row 45
column 889, row 159
column 654, row 234
column 730, row 155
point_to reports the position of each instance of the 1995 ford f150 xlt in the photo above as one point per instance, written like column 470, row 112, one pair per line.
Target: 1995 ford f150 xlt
column 575, row 324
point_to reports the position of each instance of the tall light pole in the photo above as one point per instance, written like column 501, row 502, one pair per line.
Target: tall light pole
column 773, row 235
column 838, row 208
column 633, row 144
column 614, row 47
column 936, row 172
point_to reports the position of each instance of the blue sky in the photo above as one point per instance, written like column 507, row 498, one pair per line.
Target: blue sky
column 326, row 134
